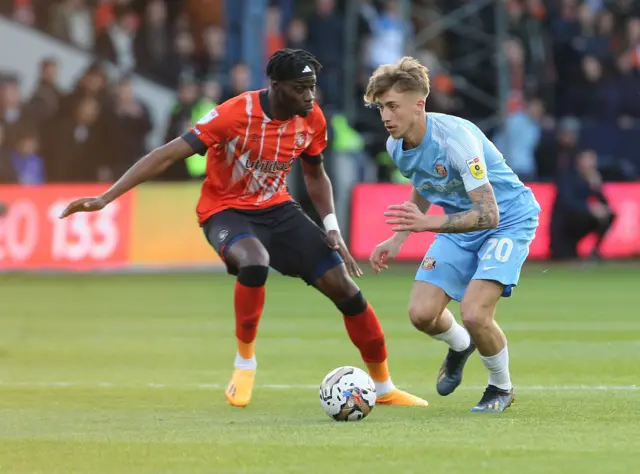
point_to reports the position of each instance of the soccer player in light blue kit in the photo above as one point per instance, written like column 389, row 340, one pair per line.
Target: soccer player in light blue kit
column 483, row 238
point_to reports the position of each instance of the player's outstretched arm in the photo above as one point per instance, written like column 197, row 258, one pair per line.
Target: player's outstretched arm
column 145, row 169
column 483, row 215
column 321, row 194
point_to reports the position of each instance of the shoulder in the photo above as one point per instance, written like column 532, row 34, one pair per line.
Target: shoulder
column 240, row 104
column 391, row 145
column 231, row 112
column 316, row 117
column 455, row 135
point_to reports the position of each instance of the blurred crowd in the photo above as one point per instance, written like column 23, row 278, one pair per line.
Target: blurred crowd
column 573, row 69
column 575, row 87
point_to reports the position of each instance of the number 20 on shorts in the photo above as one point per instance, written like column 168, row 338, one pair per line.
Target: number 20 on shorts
column 499, row 248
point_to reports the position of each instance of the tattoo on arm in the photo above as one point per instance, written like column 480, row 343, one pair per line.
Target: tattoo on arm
column 483, row 215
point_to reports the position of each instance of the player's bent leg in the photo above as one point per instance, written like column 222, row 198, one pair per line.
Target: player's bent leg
column 428, row 313
column 251, row 260
column 365, row 332
column 428, row 308
column 478, row 309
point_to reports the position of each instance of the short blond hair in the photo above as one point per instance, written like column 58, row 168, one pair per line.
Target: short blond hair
column 405, row 75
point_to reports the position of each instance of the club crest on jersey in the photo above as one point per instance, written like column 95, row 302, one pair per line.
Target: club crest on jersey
column 476, row 168
column 429, row 263
column 441, row 170
column 300, row 139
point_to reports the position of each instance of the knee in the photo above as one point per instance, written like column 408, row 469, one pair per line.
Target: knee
column 338, row 286
column 475, row 317
column 353, row 305
column 423, row 315
column 253, row 276
column 254, row 256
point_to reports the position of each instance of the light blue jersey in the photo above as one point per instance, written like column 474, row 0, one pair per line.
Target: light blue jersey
column 454, row 158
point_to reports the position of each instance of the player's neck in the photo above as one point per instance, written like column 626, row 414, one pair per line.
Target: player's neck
column 414, row 136
column 275, row 110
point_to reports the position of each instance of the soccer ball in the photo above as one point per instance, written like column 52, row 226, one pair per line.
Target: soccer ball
column 347, row 394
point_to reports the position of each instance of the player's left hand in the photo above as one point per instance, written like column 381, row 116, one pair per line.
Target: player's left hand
column 407, row 217
column 335, row 241
column 84, row 205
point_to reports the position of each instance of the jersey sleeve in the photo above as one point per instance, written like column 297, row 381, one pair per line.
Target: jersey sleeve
column 466, row 155
column 319, row 138
column 212, row 128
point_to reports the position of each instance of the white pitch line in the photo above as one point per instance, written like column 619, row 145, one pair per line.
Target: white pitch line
column 215, row 386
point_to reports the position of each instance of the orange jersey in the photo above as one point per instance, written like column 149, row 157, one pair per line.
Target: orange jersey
column 250, row 155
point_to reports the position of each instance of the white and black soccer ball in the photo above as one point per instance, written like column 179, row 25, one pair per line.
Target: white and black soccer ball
column 347, row 394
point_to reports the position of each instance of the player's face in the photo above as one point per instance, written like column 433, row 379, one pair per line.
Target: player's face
column 399, row 111
column 297, row 96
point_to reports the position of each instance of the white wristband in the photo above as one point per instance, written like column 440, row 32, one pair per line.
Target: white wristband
column 330, row 223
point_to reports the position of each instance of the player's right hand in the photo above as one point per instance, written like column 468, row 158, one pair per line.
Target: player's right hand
column 382, row 253
column 91, row 204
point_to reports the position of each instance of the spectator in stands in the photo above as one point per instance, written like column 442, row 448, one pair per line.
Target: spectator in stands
column 24, row 12
column 93, row 83
column 596, row 96
column 632, row 43
column 212, row 62
column 72, row 21
column 182, row 117
column 600, row 44
column 185, row 64
column 274, row 37
column 200, row 15
column 13, row 112
column 77, row 149
column 239, row 81
column 556, row 153
column 389, row 36
column 211, row 91
column 580, row 208
column 519, row 139
column 515, row 55
column 442, row 97
column 629, row 84
column 325, row 40
column 153, row 44
column 116, row 43
column 129, row 125
column 22, row 164
column 297, row 34
column 47, row 98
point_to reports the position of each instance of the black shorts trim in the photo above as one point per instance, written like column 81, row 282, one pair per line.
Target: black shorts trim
column 324, row 266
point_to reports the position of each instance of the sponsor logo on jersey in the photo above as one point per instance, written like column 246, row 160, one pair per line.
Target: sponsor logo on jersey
column 476, row 168
column 269, row 165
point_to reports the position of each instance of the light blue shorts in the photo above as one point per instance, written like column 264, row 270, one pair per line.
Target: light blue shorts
column 452, row 262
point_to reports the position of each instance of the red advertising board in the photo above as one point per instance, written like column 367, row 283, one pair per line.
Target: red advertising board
column 32, row 236
column 370, row 201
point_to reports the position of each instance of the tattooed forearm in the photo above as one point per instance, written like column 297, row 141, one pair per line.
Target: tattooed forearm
column 483, row 215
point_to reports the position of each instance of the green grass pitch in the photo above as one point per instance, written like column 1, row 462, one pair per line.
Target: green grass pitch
column 125, row 374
